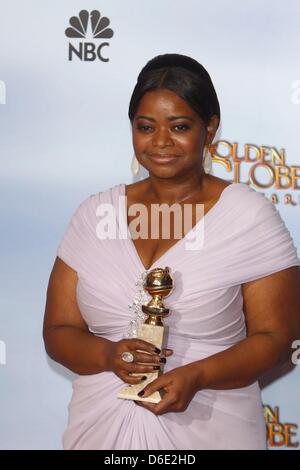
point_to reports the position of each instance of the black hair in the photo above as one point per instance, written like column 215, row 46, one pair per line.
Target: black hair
column 184, row 76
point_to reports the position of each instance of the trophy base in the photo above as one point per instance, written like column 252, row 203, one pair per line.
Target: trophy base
column 131, row 391
column 153, row 334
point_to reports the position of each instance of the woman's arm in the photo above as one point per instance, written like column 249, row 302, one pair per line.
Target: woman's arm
column 272, row 313
column 69, row 341
column 66, row 335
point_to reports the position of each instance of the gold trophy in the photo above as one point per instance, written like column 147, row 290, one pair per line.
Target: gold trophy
column 159, row 284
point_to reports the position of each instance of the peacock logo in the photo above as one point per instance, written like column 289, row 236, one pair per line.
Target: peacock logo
column 88, row 26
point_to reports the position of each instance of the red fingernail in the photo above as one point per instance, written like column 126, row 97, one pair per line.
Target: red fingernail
column 141, row 393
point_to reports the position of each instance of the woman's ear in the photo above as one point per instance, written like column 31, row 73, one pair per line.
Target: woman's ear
column 212, row 129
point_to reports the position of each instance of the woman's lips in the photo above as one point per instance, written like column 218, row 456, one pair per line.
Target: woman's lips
column 166, row 158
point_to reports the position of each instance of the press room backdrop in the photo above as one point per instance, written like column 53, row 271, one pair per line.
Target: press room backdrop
column 64, row 134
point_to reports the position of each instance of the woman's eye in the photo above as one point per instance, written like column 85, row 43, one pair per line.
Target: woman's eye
column 178, row 128
column 181, row 127
column 144, row 128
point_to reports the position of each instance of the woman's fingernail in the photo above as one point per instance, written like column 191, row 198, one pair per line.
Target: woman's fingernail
column 144, row 377
column 163, row 360
column 158, row 351
column 141, row 393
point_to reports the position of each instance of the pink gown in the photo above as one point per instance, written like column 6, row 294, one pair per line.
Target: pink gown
column 245, row 239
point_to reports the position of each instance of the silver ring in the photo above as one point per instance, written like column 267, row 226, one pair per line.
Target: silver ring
column 127, row 356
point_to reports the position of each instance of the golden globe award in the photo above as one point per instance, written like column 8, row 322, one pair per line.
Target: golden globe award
column 159, row 284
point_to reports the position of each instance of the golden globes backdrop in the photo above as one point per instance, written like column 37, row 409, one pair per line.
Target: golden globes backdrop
column 67, row 71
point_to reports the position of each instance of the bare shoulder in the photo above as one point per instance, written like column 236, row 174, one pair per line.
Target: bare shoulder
column 135, row 187
column 217, row 183
column 214, row 187
column 137, row 191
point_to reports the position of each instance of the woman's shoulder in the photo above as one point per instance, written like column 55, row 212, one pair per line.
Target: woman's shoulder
column 246, row 197
column 238, row 199
column 252, row 230
column 88, row 206
column 250, row 213
column 106, row 194
column 242, row 209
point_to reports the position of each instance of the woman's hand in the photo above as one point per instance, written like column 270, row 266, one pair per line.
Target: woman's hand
column 142, row 351
column 179, row 386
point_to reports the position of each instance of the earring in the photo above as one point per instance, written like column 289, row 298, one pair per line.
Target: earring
column 135, row 166
column 207, row 160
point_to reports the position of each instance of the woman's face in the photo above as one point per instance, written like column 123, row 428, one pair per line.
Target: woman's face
column 168, row 135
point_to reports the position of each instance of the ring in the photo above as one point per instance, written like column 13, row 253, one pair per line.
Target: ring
column 127, row 357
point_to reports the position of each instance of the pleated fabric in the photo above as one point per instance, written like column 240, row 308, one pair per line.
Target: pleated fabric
column 244, row 238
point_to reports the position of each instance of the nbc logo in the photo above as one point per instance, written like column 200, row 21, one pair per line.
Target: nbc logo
column 88, row 26
column 2, row 92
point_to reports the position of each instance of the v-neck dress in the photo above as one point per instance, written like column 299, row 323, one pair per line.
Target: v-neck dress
column 243, row 238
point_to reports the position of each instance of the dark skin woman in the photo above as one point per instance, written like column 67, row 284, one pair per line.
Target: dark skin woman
column 169, row 139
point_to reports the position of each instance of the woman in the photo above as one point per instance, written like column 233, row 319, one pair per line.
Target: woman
column 235, row 307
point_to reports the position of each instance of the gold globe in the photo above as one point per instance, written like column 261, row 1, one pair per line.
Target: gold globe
column 159, row 284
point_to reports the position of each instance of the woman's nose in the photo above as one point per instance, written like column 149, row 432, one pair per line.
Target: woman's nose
column 161, row 138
